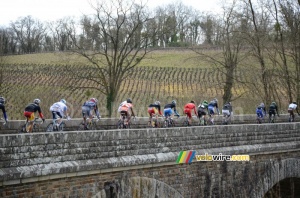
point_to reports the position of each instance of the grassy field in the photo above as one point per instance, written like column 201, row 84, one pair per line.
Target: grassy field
column 163, row 76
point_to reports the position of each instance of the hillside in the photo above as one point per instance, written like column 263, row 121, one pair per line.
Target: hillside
column 162, row 76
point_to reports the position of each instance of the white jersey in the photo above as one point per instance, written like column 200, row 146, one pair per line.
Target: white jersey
column 59, row 107
column 292, row 106
column 123, row 103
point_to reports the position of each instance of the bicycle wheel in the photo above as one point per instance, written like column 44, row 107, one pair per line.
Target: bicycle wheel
column 186, row 122
column 49, row 127
column 120, row 124
column 92, row 126
column 62, row 126
column 22, row 129
column 171, row 123
column 81, row 127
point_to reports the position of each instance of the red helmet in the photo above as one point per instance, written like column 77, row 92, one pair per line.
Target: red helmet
column 94, row 100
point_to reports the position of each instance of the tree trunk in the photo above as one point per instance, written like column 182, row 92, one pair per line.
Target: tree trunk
column 227, row 96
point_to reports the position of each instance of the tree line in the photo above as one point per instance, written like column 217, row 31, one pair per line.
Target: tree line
column 259, row 35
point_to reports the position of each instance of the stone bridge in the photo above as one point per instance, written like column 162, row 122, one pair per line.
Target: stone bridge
column 142, row 162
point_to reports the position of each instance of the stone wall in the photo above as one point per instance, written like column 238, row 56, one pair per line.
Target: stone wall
column 42, row 162
column 140, row 122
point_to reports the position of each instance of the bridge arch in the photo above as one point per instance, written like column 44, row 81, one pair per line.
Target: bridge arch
column 279, row 171
column 138, row 187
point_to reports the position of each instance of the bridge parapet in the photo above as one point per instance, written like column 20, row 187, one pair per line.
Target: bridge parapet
column 44, row 155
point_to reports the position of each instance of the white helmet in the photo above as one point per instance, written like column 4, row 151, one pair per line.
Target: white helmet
column 63, row 101
column 36, row 101
column 157, row 103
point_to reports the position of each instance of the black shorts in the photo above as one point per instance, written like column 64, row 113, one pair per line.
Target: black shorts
column 201, row 113
column 272, row 112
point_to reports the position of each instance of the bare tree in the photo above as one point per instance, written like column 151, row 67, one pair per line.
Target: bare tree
column 291, row 17
column 257, row 39
column 29, row 33
column 231, row 42
column 124, row 43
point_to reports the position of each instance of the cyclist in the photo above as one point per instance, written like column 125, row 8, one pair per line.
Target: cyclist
column 292, row 107
column 188, row 110
column 227, row 111
column 2, row 107
column 261, row 110
column 273, row 109
column 202, row 110
column 154, row 110
column 168, row 109
column 211, row 106
column 87, row 107
column 29, row 111
column 126, row 108
column 59, row 109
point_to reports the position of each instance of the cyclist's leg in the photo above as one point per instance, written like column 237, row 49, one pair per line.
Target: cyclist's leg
column 59, row 117
column 30, row 121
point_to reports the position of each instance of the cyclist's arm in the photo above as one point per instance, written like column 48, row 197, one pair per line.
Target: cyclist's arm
column 4, row 113
column 133, row 114
column 97, row 112
column 217, row 108
column 297, row 110
column 196, row 113
column 40, row 112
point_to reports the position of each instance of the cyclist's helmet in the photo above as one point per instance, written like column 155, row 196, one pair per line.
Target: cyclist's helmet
column 63, row 101
column 129, row 100
column 94, row 100
column 157, row 103
column 173, row 101
column 294, row 102
column 192, row 101
column 262, row 104
column 2, row 100
column 215, row 100
column 36, row 101
column 273, row 103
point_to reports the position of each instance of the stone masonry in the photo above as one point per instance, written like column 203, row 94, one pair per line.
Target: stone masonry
column 142, row 162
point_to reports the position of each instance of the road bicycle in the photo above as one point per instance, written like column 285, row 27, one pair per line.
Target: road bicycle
column 91, row 124
column 3, row 124
column 169, row 122
column 123, row 122
column 154, row 123
column 291, row 118
column 259, row 119
column 55, row 126
column 35, row 128
column 226, row 119
column 186, row 122
column 210, row 120
column 272, row 118
column 202, row 120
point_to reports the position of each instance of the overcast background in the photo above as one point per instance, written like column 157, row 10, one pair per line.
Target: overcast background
column 51, row 10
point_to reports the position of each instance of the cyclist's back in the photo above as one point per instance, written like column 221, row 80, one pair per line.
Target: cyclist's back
column 227, row 109
column 261, row 110
column 212, row 105
column 273, row 109
column 168, row 109
column 292, row 107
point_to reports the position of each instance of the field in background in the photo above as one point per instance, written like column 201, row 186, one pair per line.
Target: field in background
column 49, row 82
